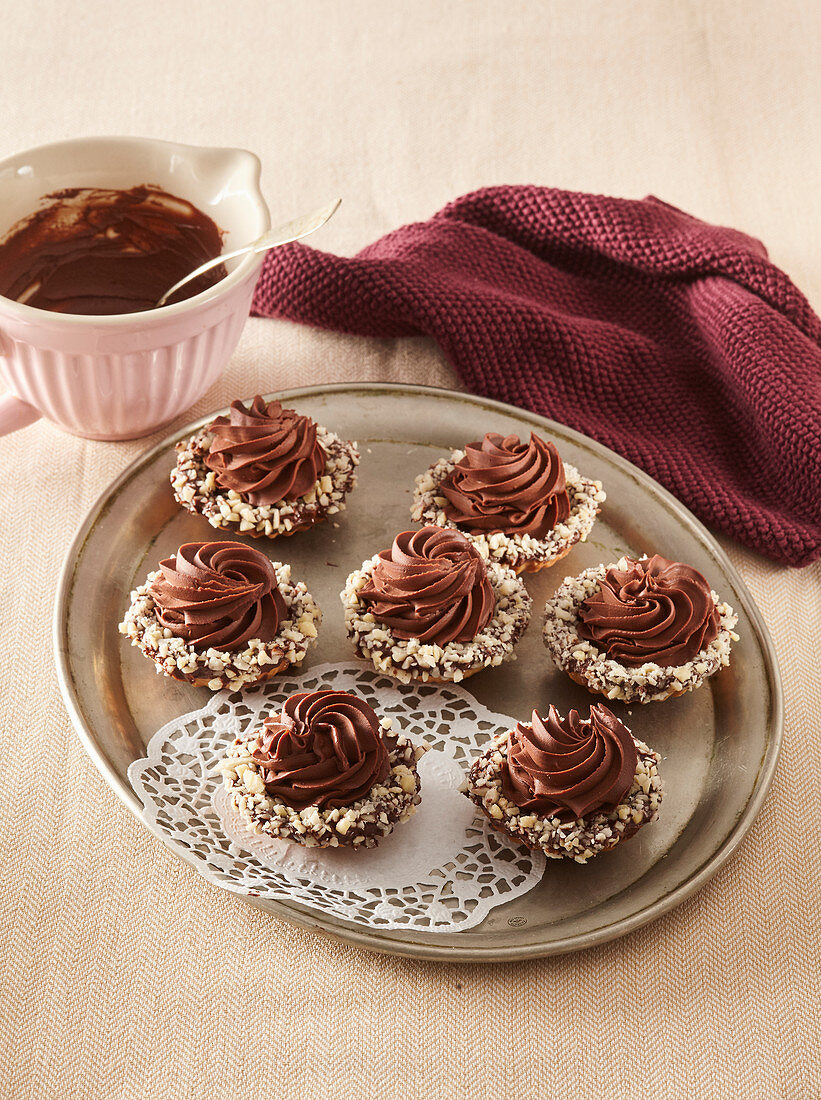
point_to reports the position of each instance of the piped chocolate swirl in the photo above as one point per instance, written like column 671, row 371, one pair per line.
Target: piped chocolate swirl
column 325, row 749
column 503, row 484
column 218, row 595
column 431, row 585
column 567, row 767
column 265, row 453
column 655, row 610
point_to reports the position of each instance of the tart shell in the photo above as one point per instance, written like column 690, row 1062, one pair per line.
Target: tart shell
column 579, row 839
column 590, row 666
column 522, row 553
column 195, row 488
column 217, row 669
column 409, row 659
column 361, row 825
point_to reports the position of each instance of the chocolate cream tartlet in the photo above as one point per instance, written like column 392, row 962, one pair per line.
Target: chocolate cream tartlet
column 641, row 630
column 526, row 506
column 324, row 773
column 567, row 787
column 220, row 614
column 264, row 471
column 432, row 608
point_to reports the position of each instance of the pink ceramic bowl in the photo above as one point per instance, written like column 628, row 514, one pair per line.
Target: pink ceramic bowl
column 122, row 376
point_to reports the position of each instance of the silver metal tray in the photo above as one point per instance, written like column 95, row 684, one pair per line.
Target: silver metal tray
column 719, row 745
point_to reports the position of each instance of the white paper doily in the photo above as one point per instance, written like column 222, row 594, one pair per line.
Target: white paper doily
column 443, row 870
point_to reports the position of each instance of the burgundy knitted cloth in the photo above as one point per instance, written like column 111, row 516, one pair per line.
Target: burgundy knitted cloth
column 674, row 342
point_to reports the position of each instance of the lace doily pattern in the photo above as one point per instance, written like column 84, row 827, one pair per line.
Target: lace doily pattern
column 442, row 871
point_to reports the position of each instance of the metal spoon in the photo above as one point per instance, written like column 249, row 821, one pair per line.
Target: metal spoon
column 283, row 234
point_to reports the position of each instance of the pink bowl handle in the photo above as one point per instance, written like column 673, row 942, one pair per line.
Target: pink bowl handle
column 15, row 413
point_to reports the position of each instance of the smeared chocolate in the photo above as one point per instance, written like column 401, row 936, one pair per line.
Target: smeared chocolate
column 96, row 252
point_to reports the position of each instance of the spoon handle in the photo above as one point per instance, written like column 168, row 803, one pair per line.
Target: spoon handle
column 293, row 230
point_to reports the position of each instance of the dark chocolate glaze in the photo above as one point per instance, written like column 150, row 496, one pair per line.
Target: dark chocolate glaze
column 94, row 251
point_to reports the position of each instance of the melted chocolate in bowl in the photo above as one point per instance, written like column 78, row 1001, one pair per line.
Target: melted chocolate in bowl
column 93, row 251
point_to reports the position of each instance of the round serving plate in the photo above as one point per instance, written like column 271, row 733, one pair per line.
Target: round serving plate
column 719, row 744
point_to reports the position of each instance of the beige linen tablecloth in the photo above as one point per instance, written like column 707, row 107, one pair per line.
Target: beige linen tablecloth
column 123, row 974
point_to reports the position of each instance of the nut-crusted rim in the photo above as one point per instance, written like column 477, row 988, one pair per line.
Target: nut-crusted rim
column 361, row 825
column 522, row 552
column 215, row 668
column 195, row 488
column 579, row 839
column 410, row 660
column 590, row 666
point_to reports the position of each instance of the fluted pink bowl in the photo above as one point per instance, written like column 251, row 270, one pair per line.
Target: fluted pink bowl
column 122, row 376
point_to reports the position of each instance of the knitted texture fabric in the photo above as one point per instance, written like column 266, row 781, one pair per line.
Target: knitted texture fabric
column 674, row 342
